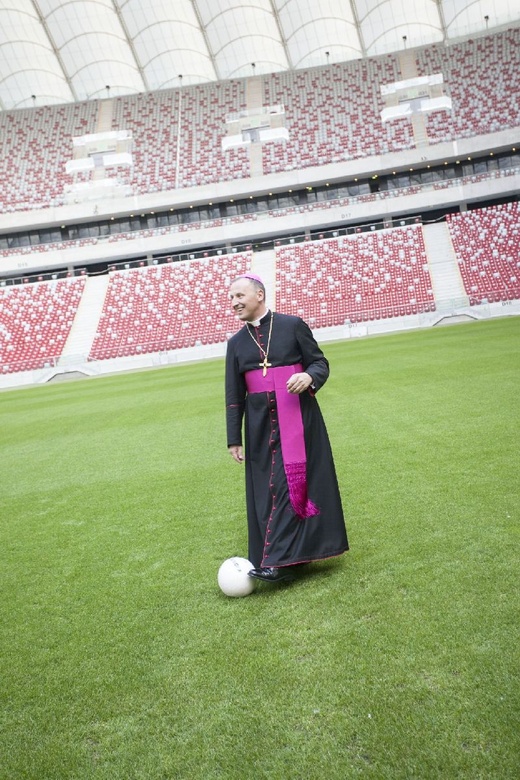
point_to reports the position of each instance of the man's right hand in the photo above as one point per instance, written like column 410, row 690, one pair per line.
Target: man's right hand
column 237, row 453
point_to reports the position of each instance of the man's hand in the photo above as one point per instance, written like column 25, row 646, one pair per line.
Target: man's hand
column 298, row 383
column 237, row 453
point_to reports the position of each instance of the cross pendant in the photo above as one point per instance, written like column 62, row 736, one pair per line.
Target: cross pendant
column 265, row 365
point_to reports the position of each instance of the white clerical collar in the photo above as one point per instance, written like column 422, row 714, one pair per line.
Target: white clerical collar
column 256, row 323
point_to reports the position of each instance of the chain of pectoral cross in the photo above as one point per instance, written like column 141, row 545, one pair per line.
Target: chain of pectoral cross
column 264, row 365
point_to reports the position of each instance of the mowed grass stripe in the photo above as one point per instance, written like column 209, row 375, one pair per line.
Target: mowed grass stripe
column 121, row 659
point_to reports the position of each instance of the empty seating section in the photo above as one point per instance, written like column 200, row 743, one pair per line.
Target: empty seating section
column 481, row 77
column 356, row 278
column 40, row 140
column 167, row 307
column 487, row 247
column 162, row 159
column 151, row 118
column 332, row 114
column 35, row 322
column 203, row 114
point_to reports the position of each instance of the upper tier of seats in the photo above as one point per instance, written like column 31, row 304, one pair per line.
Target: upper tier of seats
column 481, row 77
column 153, row 120
column 35, row 145
column 355, row 278
column 35, row 322
column 487, row 246
column 332, row 114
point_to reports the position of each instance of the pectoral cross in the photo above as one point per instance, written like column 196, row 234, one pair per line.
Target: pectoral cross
column 265, row 365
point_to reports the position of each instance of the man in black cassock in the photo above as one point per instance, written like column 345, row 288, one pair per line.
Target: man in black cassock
column 274, row 367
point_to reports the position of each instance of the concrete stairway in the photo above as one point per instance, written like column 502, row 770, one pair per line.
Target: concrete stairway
column 407, row 64
column 444, row 270
column 264, row 264
column 79, row 342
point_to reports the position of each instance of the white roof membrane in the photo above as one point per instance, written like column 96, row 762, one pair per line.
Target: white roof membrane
column 59, row 51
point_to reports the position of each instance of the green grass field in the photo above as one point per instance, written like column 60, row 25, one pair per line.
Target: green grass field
column 121, row 660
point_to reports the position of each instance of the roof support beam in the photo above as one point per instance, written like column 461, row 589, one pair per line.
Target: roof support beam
column 442, row 20
column 211, row 55
column 55, row 49
column 283, row 39
column 131, row 46
column 358, row 28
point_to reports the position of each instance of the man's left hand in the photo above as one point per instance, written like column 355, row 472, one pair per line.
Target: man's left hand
column 298, row 383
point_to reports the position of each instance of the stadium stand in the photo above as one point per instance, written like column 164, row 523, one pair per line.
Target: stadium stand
column 41, row 140
column 155, row 119
column 35, row 322
column 356, row 278
column 345, row 97
column 168, row 306
column 378, row 279
column 478, row 76
column 487, row 246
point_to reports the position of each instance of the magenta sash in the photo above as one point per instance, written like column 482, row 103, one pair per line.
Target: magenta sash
column 291, row 432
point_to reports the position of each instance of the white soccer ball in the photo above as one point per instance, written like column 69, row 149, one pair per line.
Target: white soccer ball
column 233, row 579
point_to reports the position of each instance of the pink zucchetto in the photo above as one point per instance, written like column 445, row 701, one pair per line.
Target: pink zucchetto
column 254, row 277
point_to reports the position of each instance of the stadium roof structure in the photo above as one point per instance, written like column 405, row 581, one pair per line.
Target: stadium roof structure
column 61, row 51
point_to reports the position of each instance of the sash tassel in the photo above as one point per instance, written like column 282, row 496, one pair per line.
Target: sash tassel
column 296, row 474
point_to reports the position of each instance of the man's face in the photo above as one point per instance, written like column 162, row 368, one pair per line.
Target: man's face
column 246, row 301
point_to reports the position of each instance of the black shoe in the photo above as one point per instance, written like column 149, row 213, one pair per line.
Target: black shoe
column 271, row 574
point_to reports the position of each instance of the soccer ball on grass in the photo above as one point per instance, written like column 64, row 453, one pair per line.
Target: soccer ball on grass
column 233, row 579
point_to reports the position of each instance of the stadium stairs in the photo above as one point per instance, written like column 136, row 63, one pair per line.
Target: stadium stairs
column 84, row 327
column 264, row 265
column 452, row 302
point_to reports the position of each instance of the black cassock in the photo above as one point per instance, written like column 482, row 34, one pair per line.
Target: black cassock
column 277, row 536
